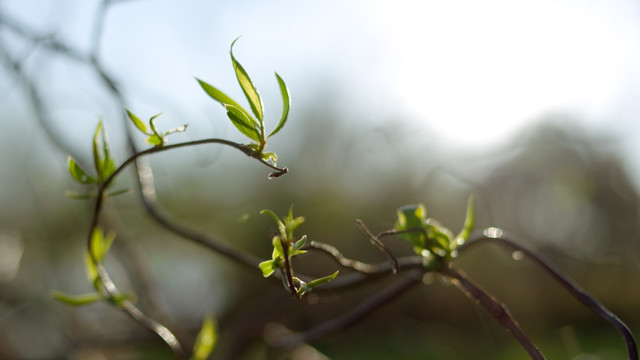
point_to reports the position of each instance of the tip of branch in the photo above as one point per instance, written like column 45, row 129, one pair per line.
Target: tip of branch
column 278, row 173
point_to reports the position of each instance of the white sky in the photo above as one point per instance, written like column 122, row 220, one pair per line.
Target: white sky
column 473, row 71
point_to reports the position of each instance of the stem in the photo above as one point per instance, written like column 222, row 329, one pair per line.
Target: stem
column 378, row 244
column 496, row 235
column 497, row 310
column 287, row 267
column 367, row 307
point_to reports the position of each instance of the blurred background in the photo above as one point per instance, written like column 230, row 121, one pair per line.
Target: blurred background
column 529, row 105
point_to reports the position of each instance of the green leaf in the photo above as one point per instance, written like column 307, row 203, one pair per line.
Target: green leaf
column 281, row 226
column 155, row 140
column 152, row 124
column 410, row 217
column 108, row 165
column 469, row 221
column 322, row 280
column 217, row 95
column 76, row 300
column 206, row 339
column 243, row 122
column 78, row 174
column 286, row 99
column 118, row 192
column 247, row 86
column 97, row 157
column 137, row 122
column 300, row 243
column 100, row 245
column 267, row 267
column 269, row 156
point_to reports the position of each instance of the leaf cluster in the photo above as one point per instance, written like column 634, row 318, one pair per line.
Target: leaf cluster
column 429, row 238
column 154, row 136
column 100, row 245
column 103, row 163
column 250, row 124
column 285, row 247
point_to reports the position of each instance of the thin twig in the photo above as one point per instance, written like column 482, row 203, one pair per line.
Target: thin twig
column 408, row 262
column 497, row 310
column 498, row 236
column 378, row 244
column 383, row 297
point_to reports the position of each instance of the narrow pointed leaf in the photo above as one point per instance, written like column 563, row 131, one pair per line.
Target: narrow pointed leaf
column 76, row 300
column 242, row 122
column 322, row 280
column 108, row 165
column 255, row 101
column 216, row 94
column 137, row 122
column 78, row 174
column 300, row 243
column 118, row 192
column 97, row 156
column 468, row 223
column 206, row 339
column 100, row 245
column 152, row 124
column 286, row 99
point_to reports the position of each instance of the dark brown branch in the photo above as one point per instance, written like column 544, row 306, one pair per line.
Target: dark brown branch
column 497, row 236
column 364, row 268
column 385, row 296
column 497, row 310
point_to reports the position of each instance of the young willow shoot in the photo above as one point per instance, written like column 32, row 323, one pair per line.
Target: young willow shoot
column 100, row 246
column 430, row 239
column 285, row 247
column 154, row 137
column 252, row 127
column 103, row 164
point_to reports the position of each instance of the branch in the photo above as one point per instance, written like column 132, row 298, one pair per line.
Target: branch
column 367, row 307
column 377, row 243
column 497, row 236
column 497, row 310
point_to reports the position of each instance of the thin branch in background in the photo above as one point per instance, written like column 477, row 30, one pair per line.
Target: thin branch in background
column 497, row 310
column 375, row 302
column 344, row 261
column 498, row 236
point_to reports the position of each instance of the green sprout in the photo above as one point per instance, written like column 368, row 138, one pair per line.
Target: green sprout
column 154, row 137
column 429, row 238
column 103, row 163
column 206, row 339
column 100, row 245
column 286, row 247
column 252, row 126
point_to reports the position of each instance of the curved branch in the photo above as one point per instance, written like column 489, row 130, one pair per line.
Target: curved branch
column 497, row 236
column 368, row 269
column 378, row 244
